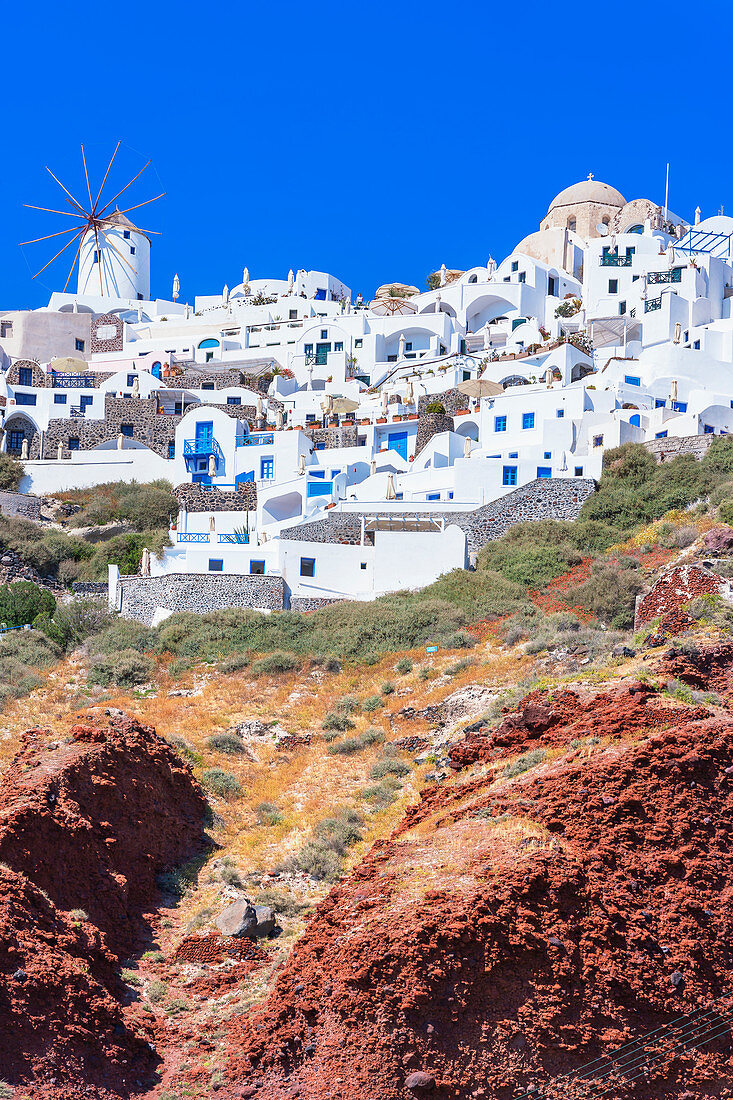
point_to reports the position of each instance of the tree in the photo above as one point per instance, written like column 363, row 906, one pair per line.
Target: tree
column 22, row 601
column 11, row 471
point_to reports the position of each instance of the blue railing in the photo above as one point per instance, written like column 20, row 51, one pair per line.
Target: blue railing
column 193, row 536
column 614, row 260
column 240, row 538
column 673, row 276
column 258, row 440
column 652, row 303
column 73, row 381
column 204, row 448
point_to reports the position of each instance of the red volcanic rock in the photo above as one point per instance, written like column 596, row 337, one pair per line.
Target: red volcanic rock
column 514, row 930
column 673, row 589
column 719, row 540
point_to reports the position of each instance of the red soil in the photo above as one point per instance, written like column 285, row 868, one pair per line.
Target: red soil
column 473, row 955
column 86, row 824
column 674, row 589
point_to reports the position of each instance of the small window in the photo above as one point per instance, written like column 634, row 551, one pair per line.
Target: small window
column 6, row 330
column 78, row 345
column 293, row 314
column 96, row 257
column 578, row 471
column 433, row 496
column 234, row 400
column 307, row 567
column 560, row 413
column 131, row 379
column 59, row 399
column 613, row 286
column 632, row 380
column 708, row 429
column 528, row 420
column 362, row 565
column 408, row 345
column 324, row 334
column 308, row 349
column 126, row 430
column 544, row 471
column 522, row 277
column 73, row 444
column 597, row 440
column 621, row 308
column 679, row 406
column 171, row 448
column 552, row 286
column 216, row 565
column 514, row 454
column 510, row 475
column 16, row 439
column 548, row 454
column 126, row 234
column 132, row 250
column 696, row 345
column 257, row 568
column 358, row 343
column 25, row 376
column 661, row 435
column 338, row 346
column 267, row 469
column 207, row 385
column 25, row 399
column 659, row 403
column 499, row 423
column 515, row 265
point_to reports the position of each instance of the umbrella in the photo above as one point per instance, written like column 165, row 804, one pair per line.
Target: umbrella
column 145, row 563
column 60, row 451
column 480, row 387
column 279, row 419
column 260, row 407
column 301, row 464
column 120, row 442
column 467, row 447
column 409, row 394
column 372, row 465
column 402, row 344
column 391, row 494
column 343, row 405
column 388, row 307
column 136, row 386
column 327, row 405
column 68, row 365
column 212, row 466
column 212, row 524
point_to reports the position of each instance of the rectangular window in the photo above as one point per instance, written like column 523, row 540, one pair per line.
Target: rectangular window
column 522, row 276
column 132, row 250
column 696, row 345
column 126, row 430
column 126, row 234
column 308, row 349
column 25, row 399
column 621, row 308
column 25, row 376
column 293, row 314
column 499, row 423
column 661, row 435
column 544, row 471
column 338, row 346
column 86, row 400
column 515, row 265
column 171, row 448
column 234, row 400
column 660, row 403
column 216, row 565
column 433, row 496
column 307, row 567
column 131, row 379
column 207, row 385
column 552, row 286
column 73, row 444
column 560, row 414
column 679, row 406
column 78, row 345
column 597, row 440
column 632, row 380
column 96, row 257
column 257, row 568
column 358, row 342
column 708, row 429
column 528, row 420
column 59, row 399
column 548, row 454
column 6, row 330
column 510, row 475
column 362, row 565
column 578, row 471
column 613, row 286
column 514, row 454
column 324, row 334
column 16, row 439
column 267, row 469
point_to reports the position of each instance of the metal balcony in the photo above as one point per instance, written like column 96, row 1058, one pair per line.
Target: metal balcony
column 192, row 536
column 610, row 259
column 72, row 381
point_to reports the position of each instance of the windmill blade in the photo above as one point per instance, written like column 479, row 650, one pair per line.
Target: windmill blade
column 76, row 256
column 58, row 181
column 80, row 231
column 61, row 233
column 48, row 210
column 100, row 212
column 86, row 176
column 111, row 245
column 101, row 189
column 137, row 207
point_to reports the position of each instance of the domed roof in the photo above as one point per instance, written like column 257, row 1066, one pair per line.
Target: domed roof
column 589, row 190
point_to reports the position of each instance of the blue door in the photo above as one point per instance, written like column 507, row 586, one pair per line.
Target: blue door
column 85, row 401
column 201, row 479
column 544, row 471
column 204, row 435
column 398, row 442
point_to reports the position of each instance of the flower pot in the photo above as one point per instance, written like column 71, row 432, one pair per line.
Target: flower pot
column 381, row 420
column 461, row 412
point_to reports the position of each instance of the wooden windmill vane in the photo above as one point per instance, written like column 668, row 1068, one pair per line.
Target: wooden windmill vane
column 95, row 218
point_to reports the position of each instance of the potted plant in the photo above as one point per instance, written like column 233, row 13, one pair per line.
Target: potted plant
column 381, row 420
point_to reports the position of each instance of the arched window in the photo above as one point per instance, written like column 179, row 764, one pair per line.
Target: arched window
column 605, row 220
column 572, row 224
column 635, row 229
column 635, row 420
column 473, row 278
column 210, row 342
column 155, row 370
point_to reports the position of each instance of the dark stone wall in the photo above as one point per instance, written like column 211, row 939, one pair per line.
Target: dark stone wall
column 334, row 436
column 195, row 499
column 429, row 425
column 451, row 400
column 101, row 322
column 664, row 450
column 20, row 504
column 138, row 597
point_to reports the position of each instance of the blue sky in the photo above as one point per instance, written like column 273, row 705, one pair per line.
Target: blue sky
column 374, row 141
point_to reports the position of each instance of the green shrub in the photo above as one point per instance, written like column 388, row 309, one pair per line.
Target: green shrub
column 372, row 736
column 22, row 601
column 185, row 750
column 336, row 720
column 725, row 511
column 372, row 703
column 347, row 747
column 222, row 783
column 235, row 663
column 227, row 743
column 387, row 688
column 153, row 956
column 176, row 1005
column 122, row 634
column 156, row 991
column 404, row 665
column 274, row 663
column 178, row 667
column 127, row 668
column 483, row 594
column 388, row 767
column 228, row 872
column 11, row 471
column 268, row 814
column 460, row 666
column 75, row 621
column 131, row 977
column 435, row 408
column 78, row 915
column 524, row 763
column 380, row 795
column 610, row 591
column 321, row 857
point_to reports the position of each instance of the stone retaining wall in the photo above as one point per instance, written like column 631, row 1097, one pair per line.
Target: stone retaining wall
column 311, row 603
column 334, row 436
column 89, row 588
column 138, row 597
column 451, row 400
column 666, row 449
column 543, row 498
column 20, row 504
column 195, row 499
column 429, row 425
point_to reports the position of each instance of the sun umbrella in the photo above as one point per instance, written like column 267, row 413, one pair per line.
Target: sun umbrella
column 301, row 464
column 467, row 447
column 343, row 405
column 279, row 420
column 480, row 387
column 212, row 466
column 68, row 365
column 390, row 307
column 391, row 494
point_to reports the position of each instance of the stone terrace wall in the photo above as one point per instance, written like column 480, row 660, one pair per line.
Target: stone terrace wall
column 311, row 603
column 666, row 449
column 155, row 430
column 195, row 499
column 429, row 425
column 20, row 504
column 543, row 498
column 138, row 597
column 333, row 437
column 451, row 400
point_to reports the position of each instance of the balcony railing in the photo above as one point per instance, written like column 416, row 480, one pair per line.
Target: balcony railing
column 652, row 303
column 72, row 381
column 673, row 276
column 612, row 259
column 258, row 440
column 204, row 448
column 240, row 538
column 192, row 536
column 77, row 410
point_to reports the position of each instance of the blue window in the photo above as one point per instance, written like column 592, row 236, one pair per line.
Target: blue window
column 204, row 433
column 171, row 448
column 578, row 471
column 632, row 380
column 308, row 349
column 433, row 496
column 25, row 399
column 450, row 496
column 635, row 420
column 679, row 406
column 398, row 442
column 708, row 429
column 25, row 376
column 659, row 403
column 131, row 379
column 216, row 565
column 126, row 430
column 514, row 454
column 318, row 473
column 307, row 567
column 234, row 400
column 548, row 454
column 560, row 414
column 661, row 435
column 510, row 475
column 324, row 334
column 257, row 568
column 319, row 488
column 16, row 439
column 597, row 440
column 73, row 444
column 86, row 400
column 59, row 399
column 500, row 423
column 696, row 345
column 339, row 346
column 544, row 471
column 267, row 468
column 209, row 342
column 126, row 234
column 528, row 420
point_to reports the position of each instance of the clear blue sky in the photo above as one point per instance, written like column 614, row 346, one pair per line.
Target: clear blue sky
column 375, row 141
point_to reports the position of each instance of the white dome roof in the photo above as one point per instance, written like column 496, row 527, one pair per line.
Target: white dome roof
column 588, row 191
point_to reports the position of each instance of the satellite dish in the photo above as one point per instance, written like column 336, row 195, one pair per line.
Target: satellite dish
column 602, row 229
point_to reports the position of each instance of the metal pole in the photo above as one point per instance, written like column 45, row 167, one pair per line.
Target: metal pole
column 666, row 194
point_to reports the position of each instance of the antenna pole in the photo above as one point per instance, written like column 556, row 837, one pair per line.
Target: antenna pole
column 666, row 194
